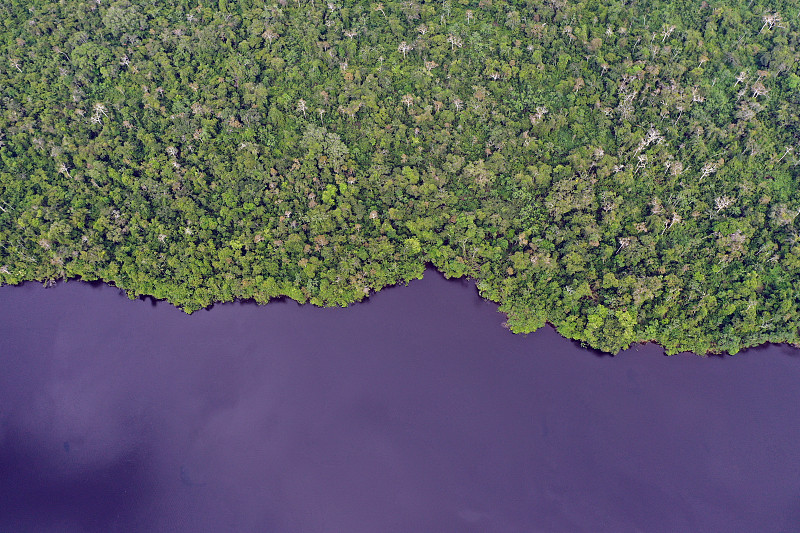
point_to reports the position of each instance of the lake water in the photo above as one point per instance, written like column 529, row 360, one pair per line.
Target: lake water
column 413, row 412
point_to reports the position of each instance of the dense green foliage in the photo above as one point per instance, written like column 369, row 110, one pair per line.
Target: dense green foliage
column 625, row 172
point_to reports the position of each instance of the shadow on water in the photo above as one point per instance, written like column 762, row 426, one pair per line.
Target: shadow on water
column 783, row 349
column 723, row 355
column 96, row 284
column 464, row 283
column 250, row 302
column 146, row 298
column 586, row 348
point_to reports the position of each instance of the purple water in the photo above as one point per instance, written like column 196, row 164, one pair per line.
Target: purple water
column 413, row 412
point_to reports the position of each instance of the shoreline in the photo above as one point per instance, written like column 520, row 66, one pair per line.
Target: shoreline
column 429, row 267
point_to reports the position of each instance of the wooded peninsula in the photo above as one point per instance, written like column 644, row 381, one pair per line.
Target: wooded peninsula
column 625, row 170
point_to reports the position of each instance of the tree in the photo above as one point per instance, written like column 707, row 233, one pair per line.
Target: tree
column 404, row 48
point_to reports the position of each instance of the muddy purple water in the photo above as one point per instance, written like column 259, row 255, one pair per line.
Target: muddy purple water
column 413, row 412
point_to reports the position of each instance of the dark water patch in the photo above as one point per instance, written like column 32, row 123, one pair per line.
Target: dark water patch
column 416, row 412
column 43, row 490
column 149, row 299
column 578, row 345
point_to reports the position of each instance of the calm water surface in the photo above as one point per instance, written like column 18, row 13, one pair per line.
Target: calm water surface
column 413, row 412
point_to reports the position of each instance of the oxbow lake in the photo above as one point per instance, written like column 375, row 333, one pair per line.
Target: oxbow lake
column 413, row 412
